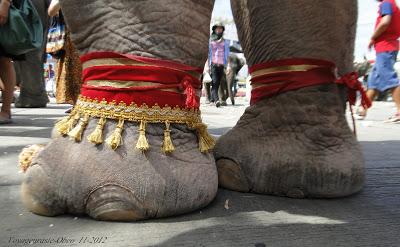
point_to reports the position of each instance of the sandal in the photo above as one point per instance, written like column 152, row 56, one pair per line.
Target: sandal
column 394, row 119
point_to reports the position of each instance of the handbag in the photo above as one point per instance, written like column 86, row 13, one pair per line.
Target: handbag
column 56, row 36
column 23, row 31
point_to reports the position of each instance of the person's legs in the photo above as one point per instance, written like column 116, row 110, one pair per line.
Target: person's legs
column 371, row 94
column 361, row 111
column 390, row 80
column 220, row 77
column 394, row 77
column 396, row 98
column 374, row 83
column 223, row 89
column 216, row 80
column 213, row 82
column 7, row 75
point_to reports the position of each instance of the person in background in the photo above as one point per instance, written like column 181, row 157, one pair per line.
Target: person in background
column 218, row 58
column 386, row 44
column 68, row 68
column 7, row 72
column 51, row 72
column 50, row 82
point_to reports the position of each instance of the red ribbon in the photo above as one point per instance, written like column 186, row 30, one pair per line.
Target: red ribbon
column 167, row 74
column 353, row 86
column 191, row 98
column 271, row 84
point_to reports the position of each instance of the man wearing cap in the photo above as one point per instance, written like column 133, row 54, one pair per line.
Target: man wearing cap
column 218, row 58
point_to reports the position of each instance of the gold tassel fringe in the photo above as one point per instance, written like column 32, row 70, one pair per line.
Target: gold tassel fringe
column 67, row 124
column 206, row 141
column 115, row 140
column 74, row 126
column 168, row 146
column 76, row 133
column 142, row 143
column 96, row 137
column 62, row 122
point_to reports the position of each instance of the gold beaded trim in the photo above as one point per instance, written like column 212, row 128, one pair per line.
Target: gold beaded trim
column 75, row 124
column 135, row 113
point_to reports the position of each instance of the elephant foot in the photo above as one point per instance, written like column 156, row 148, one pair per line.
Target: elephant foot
column 297, row 144
column 32, row 102
column 124, row 184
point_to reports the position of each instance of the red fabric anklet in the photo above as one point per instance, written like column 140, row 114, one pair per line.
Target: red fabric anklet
column 131, row 79
column 272, row 78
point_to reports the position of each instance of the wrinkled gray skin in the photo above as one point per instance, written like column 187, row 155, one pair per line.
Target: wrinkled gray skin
column 30, row 71
column 81, row 178
column 296, row 144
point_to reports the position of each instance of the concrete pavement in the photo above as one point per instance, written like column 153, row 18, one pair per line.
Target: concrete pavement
column 370, row 218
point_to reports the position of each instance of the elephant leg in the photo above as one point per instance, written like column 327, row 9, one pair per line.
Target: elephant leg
column 222, row 92
column 234, row 87
column 207, row 87
column 31, row 72
column 140, row 176
column 230, row 78
column 298, row 143
column 33, row 92
column 226, row 94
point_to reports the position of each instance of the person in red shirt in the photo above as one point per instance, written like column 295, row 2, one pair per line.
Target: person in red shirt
column 386, row 44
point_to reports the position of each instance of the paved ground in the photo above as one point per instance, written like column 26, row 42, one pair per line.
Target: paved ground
column 370, row 218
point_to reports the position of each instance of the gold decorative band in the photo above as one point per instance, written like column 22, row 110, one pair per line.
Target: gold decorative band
column 75, row 124
column 133, row 112
column 111, row 62
column 282, row 69
column 254, row 86
column 128, row 84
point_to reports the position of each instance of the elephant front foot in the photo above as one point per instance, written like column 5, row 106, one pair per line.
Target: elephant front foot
column 125, row 184
column 297, row 144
